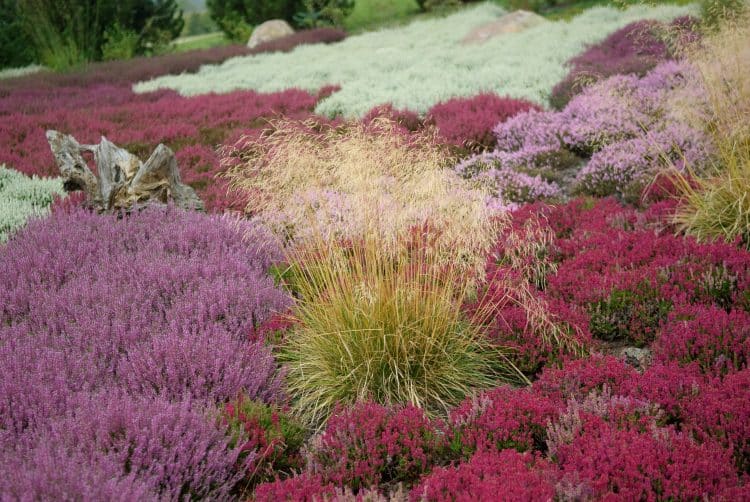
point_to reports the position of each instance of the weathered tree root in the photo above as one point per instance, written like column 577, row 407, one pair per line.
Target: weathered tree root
column 124, row 181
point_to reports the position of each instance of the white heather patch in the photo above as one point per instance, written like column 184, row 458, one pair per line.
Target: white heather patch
column 420, row 64
column 22, row 197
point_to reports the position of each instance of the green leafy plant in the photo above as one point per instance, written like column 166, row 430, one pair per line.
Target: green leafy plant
column 317, row 13
column 119, row 43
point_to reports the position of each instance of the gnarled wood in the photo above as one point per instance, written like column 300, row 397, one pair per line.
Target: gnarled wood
column 123, row 181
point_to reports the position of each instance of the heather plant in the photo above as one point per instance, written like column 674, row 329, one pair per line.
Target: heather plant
column 267, row 436
column 418, row 65
column 325, row 35
column 635, row 48
column 22, row 198
column 609, row 140
column 717, row 340
column 190, row 126
column 386, row 324
column 468, row 122
column 606, row 458
column 123, row 72
column 499, row 419
column 370, row 445
column 154, row 307
column 505, row 475
column 577, row 378
column 721, row 413
column 311, row 181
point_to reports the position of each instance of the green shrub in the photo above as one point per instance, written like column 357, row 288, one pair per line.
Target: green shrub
column 15, row 47
column 234, row 16
column 65, row 33
column 22, row 197
column 317, row 13
column 628, row 315
column 119, row 43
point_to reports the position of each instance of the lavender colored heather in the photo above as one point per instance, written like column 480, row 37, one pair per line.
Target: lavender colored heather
column 633, row 49
column 122, row 447
column 623, row 126
column 156, row 307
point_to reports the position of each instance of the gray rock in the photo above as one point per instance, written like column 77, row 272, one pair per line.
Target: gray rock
column 270, row 30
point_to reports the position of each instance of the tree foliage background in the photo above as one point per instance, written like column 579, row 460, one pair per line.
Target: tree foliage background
column 64, row 33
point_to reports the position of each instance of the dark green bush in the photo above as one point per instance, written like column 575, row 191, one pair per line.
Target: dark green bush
column 64, row 33
column 231, row 15
column 15, row 46
column 319, row 13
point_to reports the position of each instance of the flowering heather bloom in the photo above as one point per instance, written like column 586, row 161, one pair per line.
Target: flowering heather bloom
column 115, row 442
column 719, row 341
column 506, row 475
column 502, row 418
column 302, row 488
column 192, row 127
column 722, row 413
column 22, row 198
column 423, row 63
column 577, row 378
column 624, row 126
column 668, row 385
column 468, row 122
column 633, row 49
column 155, row 306
column 369, row 445
column 610, row 459
column 324, row 35
column 126, row 72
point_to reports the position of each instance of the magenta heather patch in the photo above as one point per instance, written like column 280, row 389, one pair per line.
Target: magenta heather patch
column 193, row 127
column 369, row 445
column 576, row 379
column 407, row 119
column 722, row 413
column 302, row 488
column 468, row 122
column 158, row 304
column 635, row 48
column 125, row 72
column 502, row 418
column 505, row 475
column 718, row 341
column 606, row 459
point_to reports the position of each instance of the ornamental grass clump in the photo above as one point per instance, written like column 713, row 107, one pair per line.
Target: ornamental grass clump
column 717, row 204
column 385, row 324
column 313, row 181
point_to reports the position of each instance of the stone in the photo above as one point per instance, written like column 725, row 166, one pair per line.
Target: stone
column 636, row 357
column 270, row 30
column 123, row 181
column 512, row 22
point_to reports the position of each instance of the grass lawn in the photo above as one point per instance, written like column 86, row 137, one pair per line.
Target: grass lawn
column 370, row 14
column 206, row 41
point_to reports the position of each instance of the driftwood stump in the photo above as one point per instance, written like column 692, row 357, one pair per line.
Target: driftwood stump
column 124, row 181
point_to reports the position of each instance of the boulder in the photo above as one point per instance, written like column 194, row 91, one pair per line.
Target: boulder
column 270, row 30
column 122, row 180
column 513, row 22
